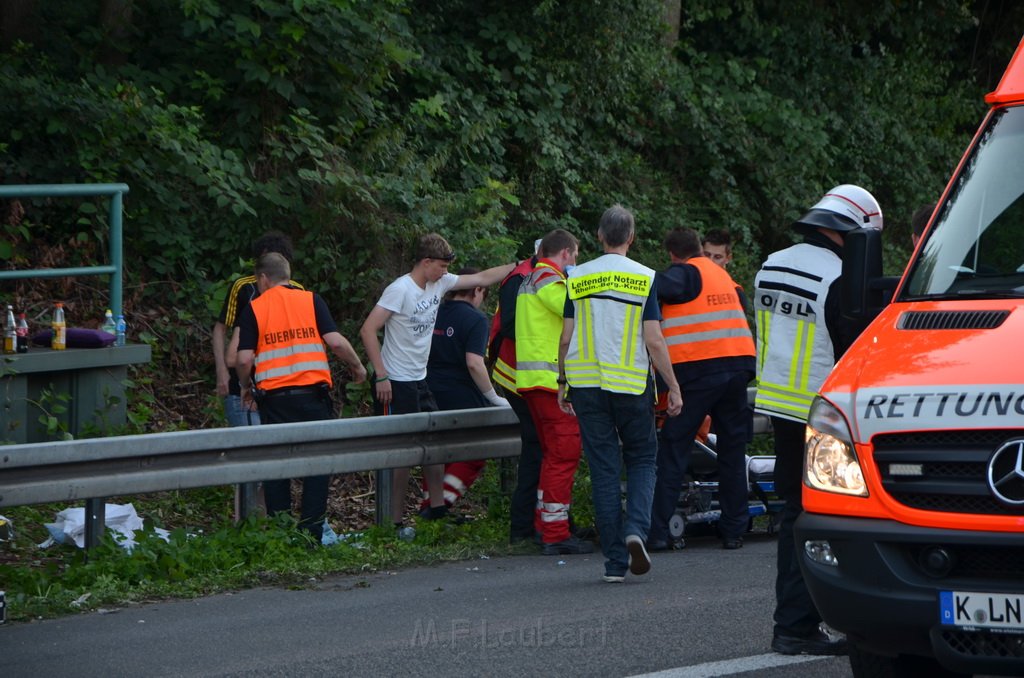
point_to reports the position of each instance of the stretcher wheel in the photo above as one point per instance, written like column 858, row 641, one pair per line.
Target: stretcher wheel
column 676, row 526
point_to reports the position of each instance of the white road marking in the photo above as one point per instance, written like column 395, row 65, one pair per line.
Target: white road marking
column 729, row 667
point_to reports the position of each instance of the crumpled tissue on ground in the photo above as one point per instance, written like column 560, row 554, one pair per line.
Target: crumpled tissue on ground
column 69, row 526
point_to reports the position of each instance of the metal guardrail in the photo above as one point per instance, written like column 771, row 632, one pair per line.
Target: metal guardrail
column 102, row 467
column 95, row 468
column 77, row 470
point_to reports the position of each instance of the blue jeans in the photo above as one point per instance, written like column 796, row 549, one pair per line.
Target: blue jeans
column 605, row 418
column 237, row 414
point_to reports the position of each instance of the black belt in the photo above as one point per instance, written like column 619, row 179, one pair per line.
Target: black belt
column 316, row 389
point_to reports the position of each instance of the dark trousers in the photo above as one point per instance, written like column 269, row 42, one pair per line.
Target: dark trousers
column 795, row 613
column 407, row 397
column 724, row 397
column 524, row 497
column 287, row 408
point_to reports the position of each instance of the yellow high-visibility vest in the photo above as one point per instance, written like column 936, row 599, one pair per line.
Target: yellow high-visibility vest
column 539, row 307
column 607, row 348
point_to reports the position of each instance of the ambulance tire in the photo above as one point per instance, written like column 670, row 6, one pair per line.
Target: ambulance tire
column 865, row 664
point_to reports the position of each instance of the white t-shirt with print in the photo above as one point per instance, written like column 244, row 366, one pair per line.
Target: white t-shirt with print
column 408, row 332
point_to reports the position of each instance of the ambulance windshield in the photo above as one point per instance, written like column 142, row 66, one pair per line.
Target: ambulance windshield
column 975, row 248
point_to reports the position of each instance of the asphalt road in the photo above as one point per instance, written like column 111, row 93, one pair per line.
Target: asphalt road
column 699, row 612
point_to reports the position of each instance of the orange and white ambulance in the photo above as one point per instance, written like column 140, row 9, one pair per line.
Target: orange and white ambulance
column 912, row 540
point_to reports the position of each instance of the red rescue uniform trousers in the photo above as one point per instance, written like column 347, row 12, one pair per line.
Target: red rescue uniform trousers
column 559, row 435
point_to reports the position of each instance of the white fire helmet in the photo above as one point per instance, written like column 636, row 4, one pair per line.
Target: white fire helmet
column 842, row 209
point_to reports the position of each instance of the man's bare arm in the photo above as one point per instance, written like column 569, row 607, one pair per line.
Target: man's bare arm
column 341, row 347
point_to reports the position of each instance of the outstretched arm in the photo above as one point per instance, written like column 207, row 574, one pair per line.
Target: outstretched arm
column 491, row 276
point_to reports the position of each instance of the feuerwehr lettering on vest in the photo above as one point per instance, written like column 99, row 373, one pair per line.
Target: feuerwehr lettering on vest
column 289, row 335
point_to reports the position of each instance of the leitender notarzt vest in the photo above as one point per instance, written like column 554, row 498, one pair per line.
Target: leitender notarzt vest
column 607, row 348
column 289, row 350
column 711, row 326
column 539, row 307
column 794, row 349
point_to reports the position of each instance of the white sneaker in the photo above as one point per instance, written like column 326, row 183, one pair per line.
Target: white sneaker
column 639, row 561
column 614, row 578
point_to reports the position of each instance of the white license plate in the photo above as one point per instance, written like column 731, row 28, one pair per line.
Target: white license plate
column 982, row 610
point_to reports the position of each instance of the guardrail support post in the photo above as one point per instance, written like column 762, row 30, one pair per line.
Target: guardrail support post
column 384, row 482
column 95, row 521
column 246, row 500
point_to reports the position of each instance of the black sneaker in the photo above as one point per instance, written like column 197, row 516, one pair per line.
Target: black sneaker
column 639, row 561
column 568, row 547
column 817, row 643
column 434, row 512
column 732, row 543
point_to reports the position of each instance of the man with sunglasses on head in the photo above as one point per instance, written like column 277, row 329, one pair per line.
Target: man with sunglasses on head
column 406, row 312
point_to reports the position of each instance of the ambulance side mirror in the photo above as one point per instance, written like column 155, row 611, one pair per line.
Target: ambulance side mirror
column 864, row 291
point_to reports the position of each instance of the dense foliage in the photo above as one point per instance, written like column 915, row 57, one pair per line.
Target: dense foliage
column 355, row 124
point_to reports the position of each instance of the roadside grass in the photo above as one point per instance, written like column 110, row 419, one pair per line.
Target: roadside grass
column 208, row 553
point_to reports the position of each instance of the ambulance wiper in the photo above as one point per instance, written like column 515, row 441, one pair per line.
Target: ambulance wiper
column 988, row 294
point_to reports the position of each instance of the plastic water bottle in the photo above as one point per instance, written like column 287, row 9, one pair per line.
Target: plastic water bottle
column 60, row 329
column 121, row 330
column 22, row 331
column 109, row 326
column 10, row 332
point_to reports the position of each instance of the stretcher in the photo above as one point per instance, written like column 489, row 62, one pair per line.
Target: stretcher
column 697, row 511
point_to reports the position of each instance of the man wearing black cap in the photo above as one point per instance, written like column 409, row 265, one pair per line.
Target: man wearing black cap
column 800, row 335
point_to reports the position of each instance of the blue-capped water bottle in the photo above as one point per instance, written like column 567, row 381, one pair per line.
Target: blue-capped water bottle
column 122, row 330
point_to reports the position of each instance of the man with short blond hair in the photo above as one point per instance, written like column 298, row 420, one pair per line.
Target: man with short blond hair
column 406, row 312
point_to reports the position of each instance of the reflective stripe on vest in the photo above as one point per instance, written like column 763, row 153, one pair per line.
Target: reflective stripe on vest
column 794, row 349
column 539, row 327
column 504, row 372
column 289, row 350
column 607, row 349
column 713, row 325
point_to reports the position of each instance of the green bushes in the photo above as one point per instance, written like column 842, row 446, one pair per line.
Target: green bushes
column 354, row 125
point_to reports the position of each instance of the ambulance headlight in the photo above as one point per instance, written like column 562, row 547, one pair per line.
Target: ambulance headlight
column 830, row 461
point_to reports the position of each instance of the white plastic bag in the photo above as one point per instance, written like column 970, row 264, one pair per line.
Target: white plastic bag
column 69, row 525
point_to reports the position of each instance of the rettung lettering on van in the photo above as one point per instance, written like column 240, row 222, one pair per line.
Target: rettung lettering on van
column 880, row 410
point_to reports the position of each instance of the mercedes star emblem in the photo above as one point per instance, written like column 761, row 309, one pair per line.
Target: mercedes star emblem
column 1006, row 473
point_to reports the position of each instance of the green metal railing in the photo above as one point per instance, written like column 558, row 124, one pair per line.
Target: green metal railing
column 115, row 268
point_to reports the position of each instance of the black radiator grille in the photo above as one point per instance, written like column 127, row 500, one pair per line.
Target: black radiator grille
column 953, row 469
